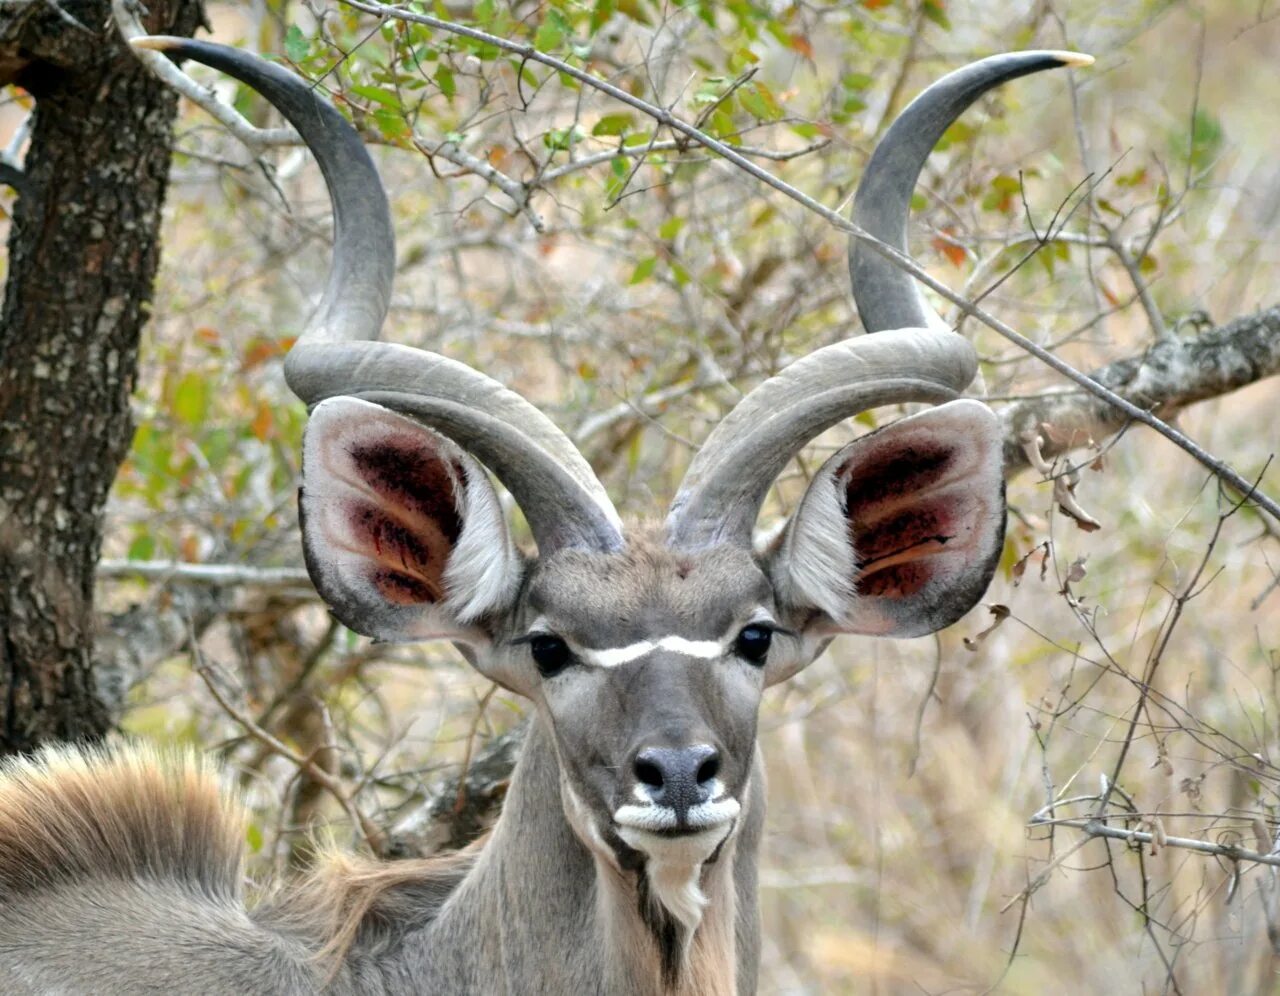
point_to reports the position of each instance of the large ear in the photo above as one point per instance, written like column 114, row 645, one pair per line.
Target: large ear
column 403, row 534
column 900, row 531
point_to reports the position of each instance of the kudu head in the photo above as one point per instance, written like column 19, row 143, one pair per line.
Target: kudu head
column 644, row 650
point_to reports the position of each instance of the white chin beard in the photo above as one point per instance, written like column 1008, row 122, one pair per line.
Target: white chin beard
column 674, row 867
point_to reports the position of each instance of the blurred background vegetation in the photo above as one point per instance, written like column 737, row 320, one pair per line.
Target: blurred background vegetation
column 634, row 286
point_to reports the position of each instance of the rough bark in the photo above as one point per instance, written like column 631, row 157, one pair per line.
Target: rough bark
column 1168, row 377
column 83, row 250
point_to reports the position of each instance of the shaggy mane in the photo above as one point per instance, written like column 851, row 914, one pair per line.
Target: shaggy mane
column 136, row 812
column 349, row 905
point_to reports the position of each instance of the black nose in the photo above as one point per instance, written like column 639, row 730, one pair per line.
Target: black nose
column 679, row 777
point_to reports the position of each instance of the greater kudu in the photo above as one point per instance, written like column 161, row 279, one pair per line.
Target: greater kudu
column 624, row 861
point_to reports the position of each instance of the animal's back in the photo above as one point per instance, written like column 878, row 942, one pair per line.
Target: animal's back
column 121, row 872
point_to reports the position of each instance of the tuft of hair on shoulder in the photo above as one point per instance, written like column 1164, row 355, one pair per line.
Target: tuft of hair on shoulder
column 124, row 812
column 350, row 905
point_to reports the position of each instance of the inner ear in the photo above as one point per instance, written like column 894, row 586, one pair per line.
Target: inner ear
column 403, row 533
column 900, row 531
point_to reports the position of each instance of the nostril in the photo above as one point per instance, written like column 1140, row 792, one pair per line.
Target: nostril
column 649, row 773
column 709, row 769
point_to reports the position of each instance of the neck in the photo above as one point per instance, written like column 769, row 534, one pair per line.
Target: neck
column 543, row 912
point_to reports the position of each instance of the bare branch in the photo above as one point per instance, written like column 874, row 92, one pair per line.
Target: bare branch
column 307, row 765
column 206, row 574
column 1094, row 827
column 1172, row 374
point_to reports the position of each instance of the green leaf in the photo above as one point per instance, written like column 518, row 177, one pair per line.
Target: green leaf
column 296, row 44
column 935, row 11
column 191, row 399
column 550, row 32
column 378, row 95
column 644, row 270
column 601, row 13
column 758, row 100
column 670, row 228
column 961, row 132
column 143, row 547
column 445, row 81
column 613, row 124
column 1206, row 139
column 561, row 139
column 618, row 168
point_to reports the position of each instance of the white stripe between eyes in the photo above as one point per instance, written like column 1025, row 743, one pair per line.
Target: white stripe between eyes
column 707, row 650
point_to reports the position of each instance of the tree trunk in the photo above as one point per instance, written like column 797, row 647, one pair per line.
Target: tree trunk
column 83, row 250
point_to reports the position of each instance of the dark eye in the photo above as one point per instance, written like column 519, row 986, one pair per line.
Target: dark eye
column 753, row 643
column 550, row 653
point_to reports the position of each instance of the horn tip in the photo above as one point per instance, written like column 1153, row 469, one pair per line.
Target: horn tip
column 157, row 43
column 1074, row 58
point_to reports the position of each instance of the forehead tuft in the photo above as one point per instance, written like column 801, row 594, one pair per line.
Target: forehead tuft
column 610, row 598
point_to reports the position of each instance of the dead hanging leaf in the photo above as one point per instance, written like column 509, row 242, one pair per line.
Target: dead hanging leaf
column 1191, row 789
column 1020, row 567
column 1064, row 493
column 1076, row 572
column 1000, row 614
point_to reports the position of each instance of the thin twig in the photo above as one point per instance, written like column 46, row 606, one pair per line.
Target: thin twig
column 1094, row 827
column 369, row 830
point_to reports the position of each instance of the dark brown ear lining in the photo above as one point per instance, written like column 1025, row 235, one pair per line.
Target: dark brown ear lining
column 410, row 562
column 898, row 581
column 935, row 520
column 915, row 467
column 403, row 589
column 399, row 472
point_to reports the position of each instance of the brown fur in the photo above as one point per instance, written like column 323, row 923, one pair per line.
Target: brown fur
column 137, row 812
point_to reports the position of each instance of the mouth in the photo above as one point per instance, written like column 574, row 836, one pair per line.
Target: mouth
column 652, row 820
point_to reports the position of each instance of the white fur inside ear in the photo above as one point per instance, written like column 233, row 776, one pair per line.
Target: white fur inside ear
column 484, row 569
column 404, row 535
column 817, row 555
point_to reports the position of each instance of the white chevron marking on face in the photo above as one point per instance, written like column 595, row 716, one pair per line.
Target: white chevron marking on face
column 707, row 650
